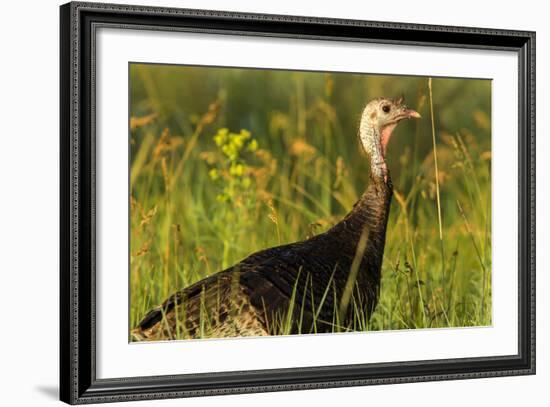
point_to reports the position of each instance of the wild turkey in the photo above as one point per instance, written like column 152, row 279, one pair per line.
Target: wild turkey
column 317, row 285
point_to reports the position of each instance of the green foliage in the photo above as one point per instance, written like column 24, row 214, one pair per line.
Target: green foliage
column 204, row 197
column 232, row 171
column 233, row 176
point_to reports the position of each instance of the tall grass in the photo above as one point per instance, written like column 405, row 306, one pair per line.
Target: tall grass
column 195, row 210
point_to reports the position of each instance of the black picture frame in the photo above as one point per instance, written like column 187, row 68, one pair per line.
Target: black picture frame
column 78, row 382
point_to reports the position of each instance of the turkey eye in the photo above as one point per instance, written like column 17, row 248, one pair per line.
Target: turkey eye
column 386, row 109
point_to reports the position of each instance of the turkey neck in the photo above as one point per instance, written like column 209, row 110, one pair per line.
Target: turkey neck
column 370, row 213
column 369, row 216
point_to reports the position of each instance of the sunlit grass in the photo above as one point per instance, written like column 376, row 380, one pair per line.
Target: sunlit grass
column 196, row 209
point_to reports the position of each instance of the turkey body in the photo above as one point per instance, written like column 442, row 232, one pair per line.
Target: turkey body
column 302, row 286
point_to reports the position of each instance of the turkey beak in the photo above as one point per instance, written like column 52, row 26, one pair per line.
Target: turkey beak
column 412, row 114
column 406, row 113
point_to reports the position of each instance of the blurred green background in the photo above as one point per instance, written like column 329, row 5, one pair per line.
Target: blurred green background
column 195, row 211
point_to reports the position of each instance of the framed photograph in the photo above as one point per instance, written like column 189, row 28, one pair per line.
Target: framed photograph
column 255, row 203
